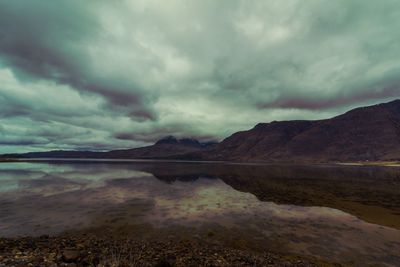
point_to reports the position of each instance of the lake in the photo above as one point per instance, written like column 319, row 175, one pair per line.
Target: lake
column 346, row 214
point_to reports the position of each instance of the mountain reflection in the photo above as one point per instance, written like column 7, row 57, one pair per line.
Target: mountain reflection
column 318, row 185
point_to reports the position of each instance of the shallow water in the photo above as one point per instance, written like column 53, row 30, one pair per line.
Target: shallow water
column 308, row 210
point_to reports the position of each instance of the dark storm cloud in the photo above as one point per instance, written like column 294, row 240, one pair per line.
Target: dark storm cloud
column 158, row 132
column 341, row 100
column 25, row 141
column 134, row 136
column 115, row 74
column 44, row 39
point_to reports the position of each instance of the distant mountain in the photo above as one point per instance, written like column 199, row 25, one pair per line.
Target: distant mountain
column 167, row 147
column 187, row 142
column 362, row 134
column 368, row 133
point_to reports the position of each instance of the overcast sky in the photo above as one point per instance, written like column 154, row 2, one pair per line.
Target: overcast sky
column 113, row 74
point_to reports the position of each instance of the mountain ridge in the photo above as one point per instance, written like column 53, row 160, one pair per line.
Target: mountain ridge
column 365, row 133
column 370, row 133
column 164, row 148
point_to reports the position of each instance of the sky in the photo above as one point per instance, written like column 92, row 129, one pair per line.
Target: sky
column 103, row 75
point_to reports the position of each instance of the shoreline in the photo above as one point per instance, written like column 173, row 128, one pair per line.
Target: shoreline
column 374, row 163
column 91, row 250
column 263, row 163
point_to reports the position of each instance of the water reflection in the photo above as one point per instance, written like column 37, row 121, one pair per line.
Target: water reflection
column 319, row 210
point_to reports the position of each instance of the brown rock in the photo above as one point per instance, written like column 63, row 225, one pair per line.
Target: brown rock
column 70, row 255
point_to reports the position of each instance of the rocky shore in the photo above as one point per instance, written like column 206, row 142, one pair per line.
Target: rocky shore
column 91, row 250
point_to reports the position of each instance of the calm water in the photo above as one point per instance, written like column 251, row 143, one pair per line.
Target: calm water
column 344, row 214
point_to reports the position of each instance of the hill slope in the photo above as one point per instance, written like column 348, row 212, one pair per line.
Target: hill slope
column 367, row 133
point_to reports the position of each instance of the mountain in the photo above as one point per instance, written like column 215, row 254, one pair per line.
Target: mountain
column 367, row 133
column 168, row 147
column 362, row 134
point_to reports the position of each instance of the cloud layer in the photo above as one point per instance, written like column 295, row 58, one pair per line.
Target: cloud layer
column 113, row 74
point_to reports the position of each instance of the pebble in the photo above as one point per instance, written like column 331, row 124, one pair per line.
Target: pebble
column 85, row 250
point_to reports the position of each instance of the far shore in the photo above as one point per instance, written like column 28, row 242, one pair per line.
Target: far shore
column 372, row 163
column 355, row 163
